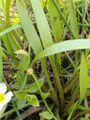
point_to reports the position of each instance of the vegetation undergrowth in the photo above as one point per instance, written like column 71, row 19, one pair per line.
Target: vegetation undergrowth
column 45, row 59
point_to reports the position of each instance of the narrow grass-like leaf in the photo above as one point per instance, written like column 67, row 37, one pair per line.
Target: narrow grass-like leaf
column 13, row 42
column 3, row 2
column 7, row 11
column 46, row 39
column 4, row 55
column 1, row 64
column 9, row 29
column 83, row 78
column 88, row 82
column 73, row 19
column 42, row 23
column 43, row 2
column 56, row 25
column 28, row 28
column 5, row 5
column 5, row 38
column 7, row 45
column 72, row 110
column 0, row 4
column 63, row 47
column 9, row 40
column 55, row 21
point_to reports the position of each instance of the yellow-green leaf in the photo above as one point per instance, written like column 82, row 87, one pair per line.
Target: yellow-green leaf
column 73, row 19
column 83, row 78
column 55, row 21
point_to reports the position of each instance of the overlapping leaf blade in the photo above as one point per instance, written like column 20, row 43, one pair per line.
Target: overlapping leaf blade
column 28, row 28
column 64, row 46
column 42, row 23
column 55, row 21
column 73, row 19
column 1, row 64
column 83, row 78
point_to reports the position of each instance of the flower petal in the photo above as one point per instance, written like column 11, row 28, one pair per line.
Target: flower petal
column 1, row 107
column 8, row 97
column 3, row 87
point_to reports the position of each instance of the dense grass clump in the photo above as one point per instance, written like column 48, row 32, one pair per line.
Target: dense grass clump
column 45, row 59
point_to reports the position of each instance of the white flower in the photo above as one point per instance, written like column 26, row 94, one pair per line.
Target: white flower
column 4, row 97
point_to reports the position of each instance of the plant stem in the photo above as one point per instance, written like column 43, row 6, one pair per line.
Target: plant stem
column 54, row 95
column 73, row 109
column 49, row 110
column 57, row 80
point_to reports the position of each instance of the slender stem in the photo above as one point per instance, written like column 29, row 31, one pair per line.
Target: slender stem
column 69, row 58
column 73, row 109
column 61, row 14
column 49, row 110
column 83, row 18
column 54, row 95
column 80, row 114
column 57, row 80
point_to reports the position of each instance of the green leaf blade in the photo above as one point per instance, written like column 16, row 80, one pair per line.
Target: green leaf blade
column 63, row 47
column 73, row 19
column 42, row 23
column 55, row 21
column 83, row 78
column 28, row 28
column 1, row 64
